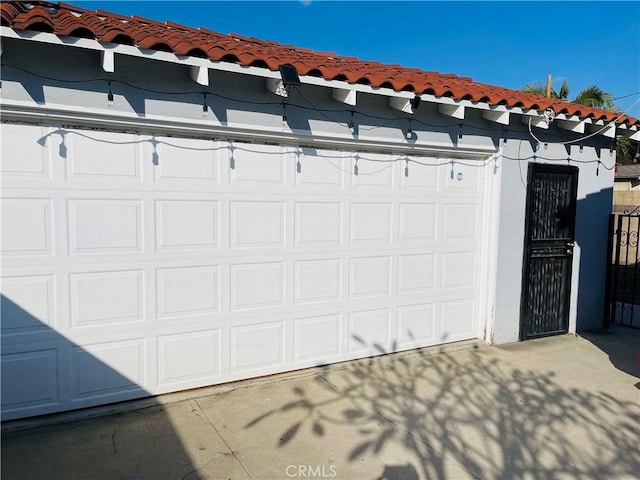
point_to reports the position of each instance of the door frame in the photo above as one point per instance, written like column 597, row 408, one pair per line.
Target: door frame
column 532, row 170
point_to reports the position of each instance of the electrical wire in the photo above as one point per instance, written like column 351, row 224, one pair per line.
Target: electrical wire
column 311, row 106
column 323, row 113
column 330, row 159
column 626, row 96
column 340, row 156
column 569, row 142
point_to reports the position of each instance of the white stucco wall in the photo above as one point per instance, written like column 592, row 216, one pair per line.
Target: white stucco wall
column 594, row 206
column 261, row 110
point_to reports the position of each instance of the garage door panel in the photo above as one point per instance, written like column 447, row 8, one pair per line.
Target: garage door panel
column 194, row 264
column 417, row 222
column 192, row 357
column 319, row 170
column 375, row 172
column 187, row 224
column 256, row 347
column 371, row 222
column 318, row 281
column 257, row 224
column 463, row 178
column 107, row 298
column 257, row 165
column 101, row 156
column 458, row 270
column 421, row 179
column 369, row 276
column 27, row 304
column 416, row 273
column 183, row 160
column 416, row 324
column 38, row 389
column 257, row 285
column 26, row 227
column 25, row 152
column 97, row 226
column 317, row 338
column 318, row 223
column 370, row 331
column 188, row 291
column 459, row 221
column 457, row 319
column 107, row 369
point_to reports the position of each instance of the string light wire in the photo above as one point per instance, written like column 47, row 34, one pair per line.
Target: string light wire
column 323, row 112
column 569, row 142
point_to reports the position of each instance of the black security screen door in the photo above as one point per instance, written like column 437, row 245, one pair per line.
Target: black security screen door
column 548, row 250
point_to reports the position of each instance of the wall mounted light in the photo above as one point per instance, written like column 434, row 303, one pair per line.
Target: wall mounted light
column 352, row 126
column 288, row 78
column 409, row 134
column 205, row 106
column 110, row 102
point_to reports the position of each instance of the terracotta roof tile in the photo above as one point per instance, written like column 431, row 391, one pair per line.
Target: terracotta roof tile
column 65, row 19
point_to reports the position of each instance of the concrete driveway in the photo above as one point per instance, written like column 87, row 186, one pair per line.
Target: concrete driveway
column 561, row 407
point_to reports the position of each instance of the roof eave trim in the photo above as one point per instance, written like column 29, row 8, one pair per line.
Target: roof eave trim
column 202, row 63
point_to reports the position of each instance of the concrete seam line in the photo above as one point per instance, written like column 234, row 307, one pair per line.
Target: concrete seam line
column 195, row 400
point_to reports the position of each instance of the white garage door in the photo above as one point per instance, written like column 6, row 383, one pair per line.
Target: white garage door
column 136, row 265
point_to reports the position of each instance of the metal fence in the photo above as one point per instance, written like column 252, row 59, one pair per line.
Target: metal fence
column 623, row 272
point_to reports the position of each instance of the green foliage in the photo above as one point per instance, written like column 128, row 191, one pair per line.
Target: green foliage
column 626, row 151
column 593, row 96
column 540, row 88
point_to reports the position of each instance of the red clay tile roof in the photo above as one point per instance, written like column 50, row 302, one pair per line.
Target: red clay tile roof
column 68, row 20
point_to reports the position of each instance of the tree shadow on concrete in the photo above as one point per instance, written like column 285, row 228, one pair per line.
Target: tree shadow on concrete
column 466, row 411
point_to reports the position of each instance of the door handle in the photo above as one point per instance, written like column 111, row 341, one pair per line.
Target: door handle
column 569, row 246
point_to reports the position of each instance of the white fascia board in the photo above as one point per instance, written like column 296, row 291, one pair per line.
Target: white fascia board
column 200, row 75
column 606, row 130
column 498, row 114
column 455, row 111
column 345, row 96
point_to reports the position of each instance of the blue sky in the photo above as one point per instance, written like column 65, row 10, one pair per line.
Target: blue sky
column 502, row 43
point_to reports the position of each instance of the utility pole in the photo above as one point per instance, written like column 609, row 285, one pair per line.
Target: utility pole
column 549, row 85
